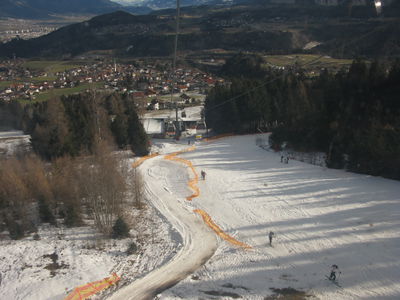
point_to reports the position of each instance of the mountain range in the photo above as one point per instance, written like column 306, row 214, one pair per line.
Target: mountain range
column 39, row 9
column 161, row 4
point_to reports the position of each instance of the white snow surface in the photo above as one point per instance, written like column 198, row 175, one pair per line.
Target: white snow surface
column 320, row 217
column 153, row 126
column 165, row 183
column 12, row 140
column 193, row 113
column 83, row 256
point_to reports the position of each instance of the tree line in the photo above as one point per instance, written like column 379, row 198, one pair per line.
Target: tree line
column 74, row 170
column 33, row 191
column 351, row 115
column 70, row 125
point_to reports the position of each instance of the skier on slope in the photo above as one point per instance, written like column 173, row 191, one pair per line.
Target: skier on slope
column 203, row 175
column 334, row 270
column 270, row 236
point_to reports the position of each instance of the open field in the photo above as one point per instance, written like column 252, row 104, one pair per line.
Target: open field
column 64, row 92
column 308, row 60
column 5, row 84
column 8, row 83
column 50, row 66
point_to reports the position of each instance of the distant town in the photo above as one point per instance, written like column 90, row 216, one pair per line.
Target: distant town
column 21, row 80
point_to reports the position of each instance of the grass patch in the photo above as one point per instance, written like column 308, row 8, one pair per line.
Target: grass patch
column 5, row 84
column 323, row 62
column 43, row 78
column 51, row 66
column 55, row 93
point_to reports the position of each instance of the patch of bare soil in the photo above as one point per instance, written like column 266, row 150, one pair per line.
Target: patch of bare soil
column 288, row 294
column 54, row 265
column 223, row 294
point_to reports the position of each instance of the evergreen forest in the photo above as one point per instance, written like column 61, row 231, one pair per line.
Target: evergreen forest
column 351, row 115
column 70, row 125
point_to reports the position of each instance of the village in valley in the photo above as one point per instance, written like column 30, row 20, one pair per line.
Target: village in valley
column 149, row 84
column 21, row 80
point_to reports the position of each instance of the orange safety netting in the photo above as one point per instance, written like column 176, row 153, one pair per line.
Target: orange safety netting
column 142, row 159
column 85, row 291
column 216, row 137
column 192, row 182
column 207, row 219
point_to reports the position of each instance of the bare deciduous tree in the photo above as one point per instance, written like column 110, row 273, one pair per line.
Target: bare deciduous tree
column 67, row 189
column 104, row 186
column 138, row 190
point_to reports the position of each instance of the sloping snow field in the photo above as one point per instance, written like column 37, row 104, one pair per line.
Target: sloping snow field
column 320, row 217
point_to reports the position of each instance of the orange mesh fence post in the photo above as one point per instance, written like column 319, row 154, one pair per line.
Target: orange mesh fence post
column 85, row 291
column 207, row 219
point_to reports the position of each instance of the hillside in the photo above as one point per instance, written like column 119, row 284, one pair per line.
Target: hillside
column 270, row 29
column 21, row 9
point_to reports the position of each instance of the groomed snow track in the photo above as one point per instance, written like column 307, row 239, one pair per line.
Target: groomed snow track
column 199, row 242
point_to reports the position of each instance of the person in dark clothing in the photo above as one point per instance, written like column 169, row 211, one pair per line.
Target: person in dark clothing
column 270, row 236
column 203, row 175
column 334, row 270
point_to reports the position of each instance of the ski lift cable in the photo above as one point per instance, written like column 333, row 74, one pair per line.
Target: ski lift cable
column 288, row 67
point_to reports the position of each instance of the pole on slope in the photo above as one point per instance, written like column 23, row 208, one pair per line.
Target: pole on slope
column 177, row 127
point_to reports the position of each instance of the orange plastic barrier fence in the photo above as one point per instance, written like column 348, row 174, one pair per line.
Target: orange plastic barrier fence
column 192, row 182
column 142, row 159
column 207, row 219
column 213, row 138
column 85, row 291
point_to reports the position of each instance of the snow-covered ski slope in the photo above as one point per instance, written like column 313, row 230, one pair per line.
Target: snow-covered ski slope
column 320, row 217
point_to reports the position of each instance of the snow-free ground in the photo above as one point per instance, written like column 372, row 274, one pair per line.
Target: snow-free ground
column 320, row 217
